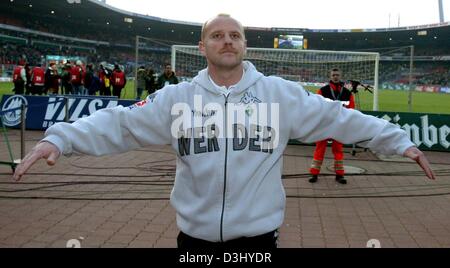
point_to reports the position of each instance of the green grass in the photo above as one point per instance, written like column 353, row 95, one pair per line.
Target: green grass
column 397, row 101
column 389, row 100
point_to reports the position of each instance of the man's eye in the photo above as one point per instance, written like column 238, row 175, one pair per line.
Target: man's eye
column 235, row 36
column 216, row 36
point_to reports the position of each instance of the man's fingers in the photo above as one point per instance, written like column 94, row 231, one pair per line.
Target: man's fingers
column 425, row 165
column 44, row 150
column 51, row 160
column 25, row 164
column 416, row 155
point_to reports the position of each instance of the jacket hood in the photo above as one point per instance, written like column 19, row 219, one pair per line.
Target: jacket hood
column 251, row 76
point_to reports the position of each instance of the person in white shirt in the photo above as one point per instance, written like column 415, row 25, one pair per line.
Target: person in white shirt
column 229, row 127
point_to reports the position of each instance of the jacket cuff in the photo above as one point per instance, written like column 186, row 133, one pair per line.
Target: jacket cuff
column 57, row 141
column 401, row 149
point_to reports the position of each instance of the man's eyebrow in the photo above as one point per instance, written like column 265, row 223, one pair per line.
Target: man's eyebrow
column 217, row 31
column 222, row 31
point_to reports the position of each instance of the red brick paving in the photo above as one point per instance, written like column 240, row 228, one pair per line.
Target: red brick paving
column 311, row 220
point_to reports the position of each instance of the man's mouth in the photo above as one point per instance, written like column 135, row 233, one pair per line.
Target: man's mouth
column 227, row 51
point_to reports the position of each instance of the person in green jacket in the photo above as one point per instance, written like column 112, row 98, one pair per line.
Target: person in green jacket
column 141, row 75
column 167, row 78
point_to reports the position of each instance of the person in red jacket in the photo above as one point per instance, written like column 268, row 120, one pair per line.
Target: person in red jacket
column 19, row 79
column 336, row 91
column 37, row 80
column 118, row 81
column 77, row 74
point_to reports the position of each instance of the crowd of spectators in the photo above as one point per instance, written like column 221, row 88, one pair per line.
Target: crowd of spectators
column 424, row 73
column 11, row 54
column 33, row 49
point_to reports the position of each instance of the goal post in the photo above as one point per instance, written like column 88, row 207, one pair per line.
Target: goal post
column 310, row 68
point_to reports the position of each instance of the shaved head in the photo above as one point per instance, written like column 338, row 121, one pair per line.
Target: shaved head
column 220, row 16
column 224, row 46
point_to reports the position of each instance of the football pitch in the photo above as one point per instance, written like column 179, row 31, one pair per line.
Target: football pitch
column 389, row 100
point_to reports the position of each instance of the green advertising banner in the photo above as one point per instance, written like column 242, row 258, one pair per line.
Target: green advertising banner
column 430, row 132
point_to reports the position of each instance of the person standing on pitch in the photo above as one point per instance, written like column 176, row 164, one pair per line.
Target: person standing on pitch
column 168, row 77
column 228, row 191
column 19, row 79
column 37, row 80
column 335, row 91
column 141, row 75
column 118, row 80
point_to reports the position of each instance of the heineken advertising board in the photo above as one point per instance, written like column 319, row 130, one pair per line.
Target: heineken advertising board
column 427, row 131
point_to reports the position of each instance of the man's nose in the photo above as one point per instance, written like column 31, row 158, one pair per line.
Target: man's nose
column 228, row 39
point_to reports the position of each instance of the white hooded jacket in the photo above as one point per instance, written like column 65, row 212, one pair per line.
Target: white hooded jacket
column 227, row 188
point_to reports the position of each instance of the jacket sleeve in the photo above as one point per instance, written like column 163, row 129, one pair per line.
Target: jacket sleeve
column 118, row 129
column 316, row 118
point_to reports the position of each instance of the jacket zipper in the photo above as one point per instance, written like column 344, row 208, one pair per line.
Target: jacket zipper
column 225, row 170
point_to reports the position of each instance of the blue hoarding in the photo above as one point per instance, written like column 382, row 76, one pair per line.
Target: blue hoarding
column 44, row 111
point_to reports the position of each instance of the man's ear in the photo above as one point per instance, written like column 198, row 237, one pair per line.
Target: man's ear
column 201, row 47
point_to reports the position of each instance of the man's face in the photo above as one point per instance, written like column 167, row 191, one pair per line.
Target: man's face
column 168, row 70
column 223, row 43
column 335, row 76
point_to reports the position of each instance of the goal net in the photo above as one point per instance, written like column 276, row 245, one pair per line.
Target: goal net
column 150, row 54
column 310, row 68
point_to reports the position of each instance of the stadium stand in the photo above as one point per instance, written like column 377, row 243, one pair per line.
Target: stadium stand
column 32, row 29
